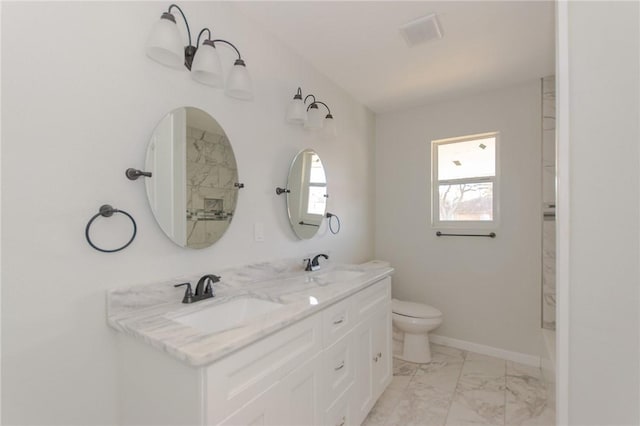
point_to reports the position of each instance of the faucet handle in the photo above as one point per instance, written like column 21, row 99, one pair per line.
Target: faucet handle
column 188, row 293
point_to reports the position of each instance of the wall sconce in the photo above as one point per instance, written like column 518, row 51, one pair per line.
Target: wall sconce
column 311, row 116
column 164, row 45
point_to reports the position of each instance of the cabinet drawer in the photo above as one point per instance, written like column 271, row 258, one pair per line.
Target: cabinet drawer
column 337, row 320
column 237, row 379
column 338, row 369
column 373, row 298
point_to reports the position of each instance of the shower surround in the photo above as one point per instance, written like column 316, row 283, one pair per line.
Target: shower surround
column 211, row 195
column 549, row 203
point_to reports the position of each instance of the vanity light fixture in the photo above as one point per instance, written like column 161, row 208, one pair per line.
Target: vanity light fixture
column 164, row 45
column 311, row 116
column 297, row 112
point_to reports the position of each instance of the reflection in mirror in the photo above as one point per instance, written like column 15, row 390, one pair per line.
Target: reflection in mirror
column 307, row 197
column 192, row 193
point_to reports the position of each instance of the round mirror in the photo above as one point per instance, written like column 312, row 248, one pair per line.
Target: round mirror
column 307, row 196
column 192, row 191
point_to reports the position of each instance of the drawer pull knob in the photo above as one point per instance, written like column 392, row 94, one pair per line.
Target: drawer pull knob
column 340, row 321
column 343, row 421
column 340, row 367
column 375, row 358
column 379, row 354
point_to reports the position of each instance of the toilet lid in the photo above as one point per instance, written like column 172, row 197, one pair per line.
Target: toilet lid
column 415, row 310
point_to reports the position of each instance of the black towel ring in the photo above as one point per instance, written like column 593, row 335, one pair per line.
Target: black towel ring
column 107, row 211
column 331, row 216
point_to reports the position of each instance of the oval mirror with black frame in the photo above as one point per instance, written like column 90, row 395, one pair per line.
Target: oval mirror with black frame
column 192, row 190
column 307, row 196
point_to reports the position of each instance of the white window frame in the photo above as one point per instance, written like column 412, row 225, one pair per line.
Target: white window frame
column 435, row 186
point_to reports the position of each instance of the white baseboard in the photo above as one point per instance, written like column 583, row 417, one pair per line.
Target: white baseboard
column 526, row 359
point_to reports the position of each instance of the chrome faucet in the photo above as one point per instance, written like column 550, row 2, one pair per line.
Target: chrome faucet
column 314, row 265
column 204, row 289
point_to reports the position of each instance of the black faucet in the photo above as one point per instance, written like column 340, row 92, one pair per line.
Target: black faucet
column 205, row 285
column 314, row 265
column 204, row 289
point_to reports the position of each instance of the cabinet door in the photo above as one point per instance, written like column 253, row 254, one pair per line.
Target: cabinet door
column 299, row 396
column 235, row 380
column 382, row 362
column 260, row 411
column 339, row 414
column 363, row 391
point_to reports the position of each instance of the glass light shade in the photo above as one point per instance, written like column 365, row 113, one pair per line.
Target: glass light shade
column 239, row 82
column 164, row 44
column 297, row 112
column 314, row 118
column 206, row 67
column 329, row 126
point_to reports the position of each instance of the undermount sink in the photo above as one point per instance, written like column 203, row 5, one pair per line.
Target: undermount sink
column 227, row 315
column 335, row 276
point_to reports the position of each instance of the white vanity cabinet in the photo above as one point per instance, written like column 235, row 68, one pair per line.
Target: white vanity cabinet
column 326, row 369
column 291, row 402
column 372, row 339
column 300, row 395
column 245, row 375
column 259, row 412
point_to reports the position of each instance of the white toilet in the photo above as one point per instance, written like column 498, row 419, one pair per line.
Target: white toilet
column 415, row 321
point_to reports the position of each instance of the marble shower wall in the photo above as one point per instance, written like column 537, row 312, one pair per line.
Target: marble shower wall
column 549, row 202
column 211, row 195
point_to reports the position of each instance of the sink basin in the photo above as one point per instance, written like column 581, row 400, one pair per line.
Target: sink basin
column 335, row 276
column 227, row 315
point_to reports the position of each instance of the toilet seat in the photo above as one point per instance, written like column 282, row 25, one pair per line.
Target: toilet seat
column 414, row 310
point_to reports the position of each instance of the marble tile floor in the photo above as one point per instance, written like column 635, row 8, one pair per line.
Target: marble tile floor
column 463, row 388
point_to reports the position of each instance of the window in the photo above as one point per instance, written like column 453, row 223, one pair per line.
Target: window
column 317, row 196
column 464, row 183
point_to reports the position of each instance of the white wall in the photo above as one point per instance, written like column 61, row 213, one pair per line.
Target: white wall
column 487, row 289
column 599, row 181
column 79, row 103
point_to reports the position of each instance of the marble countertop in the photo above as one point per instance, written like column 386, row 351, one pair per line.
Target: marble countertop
column 147, row 312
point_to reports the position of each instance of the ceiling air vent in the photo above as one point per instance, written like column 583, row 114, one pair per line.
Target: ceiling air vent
column 421, row 30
